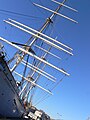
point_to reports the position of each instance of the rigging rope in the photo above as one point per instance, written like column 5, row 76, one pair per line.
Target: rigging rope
column 20, row 14
column 46, row 83
column 47, row 96
column 43, row 13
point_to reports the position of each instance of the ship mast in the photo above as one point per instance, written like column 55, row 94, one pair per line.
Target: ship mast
column 47, row 22
column 44, row 26
column 27, row 50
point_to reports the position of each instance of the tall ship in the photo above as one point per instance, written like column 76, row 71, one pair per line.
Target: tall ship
column 30, row 65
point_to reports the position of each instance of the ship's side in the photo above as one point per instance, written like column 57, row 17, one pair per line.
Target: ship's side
column 10, row 104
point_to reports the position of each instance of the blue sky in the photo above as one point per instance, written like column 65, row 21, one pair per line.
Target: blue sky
column 71, row 98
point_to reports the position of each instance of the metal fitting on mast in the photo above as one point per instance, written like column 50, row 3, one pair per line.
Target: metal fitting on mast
column 49, row 20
